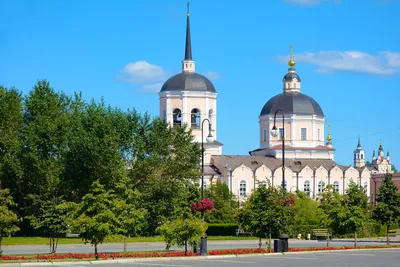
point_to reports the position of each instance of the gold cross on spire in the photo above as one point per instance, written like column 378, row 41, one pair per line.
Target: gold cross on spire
column 188, row 5
column 291, row 62
column 329, row 138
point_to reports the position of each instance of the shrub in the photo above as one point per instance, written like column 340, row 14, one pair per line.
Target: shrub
column 222, row 229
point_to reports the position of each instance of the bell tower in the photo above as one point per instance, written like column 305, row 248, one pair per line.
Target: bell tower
column 359, row 156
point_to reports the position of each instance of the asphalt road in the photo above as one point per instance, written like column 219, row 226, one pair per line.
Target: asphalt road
column 370, row 258
column 146, row 246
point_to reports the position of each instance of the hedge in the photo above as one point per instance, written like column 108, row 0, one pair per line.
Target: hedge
column 222, row 229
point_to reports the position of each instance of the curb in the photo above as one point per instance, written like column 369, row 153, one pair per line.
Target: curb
column 121, row 261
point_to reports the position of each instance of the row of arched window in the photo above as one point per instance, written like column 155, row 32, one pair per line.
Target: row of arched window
column 194, row 117
column 307, row 187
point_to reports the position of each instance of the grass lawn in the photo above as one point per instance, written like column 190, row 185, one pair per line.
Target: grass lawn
column 45, row 241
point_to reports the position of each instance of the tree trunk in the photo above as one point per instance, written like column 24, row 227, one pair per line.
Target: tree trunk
column 259, row 243
column 185, row 248
column 96, row 255
column 355, row 240
column 387, row 235
column 56, row 245
column 51, row 244
column 269, row 242
column 125, row 244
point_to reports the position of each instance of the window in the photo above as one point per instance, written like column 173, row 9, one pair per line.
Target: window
column 242, row 188
column 264, row 183
column 281, row 133
column 210, row 114
column 177, row 117
column 336, row 186
column 307, row 187
column 294, row 85
column 365, row 186
column 288, row 85
column 265, row 135
column 362, row 156
column 321, row 187
column 319, row 134
column 303, row 133
column 195, row 118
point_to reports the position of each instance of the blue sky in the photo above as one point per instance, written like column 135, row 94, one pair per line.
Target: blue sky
column 347, row 54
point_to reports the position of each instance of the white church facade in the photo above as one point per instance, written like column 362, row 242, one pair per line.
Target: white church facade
column 191, row 99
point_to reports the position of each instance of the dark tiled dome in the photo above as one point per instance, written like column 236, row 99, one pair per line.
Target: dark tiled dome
column 292, row 103
column 188, row 82
column 290, row 76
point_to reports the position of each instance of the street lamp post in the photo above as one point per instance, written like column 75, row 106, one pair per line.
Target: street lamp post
column 209, row 139
column 275, row 133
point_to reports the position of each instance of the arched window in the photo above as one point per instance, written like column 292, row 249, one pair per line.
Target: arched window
column 195, row 118
column 288, row 85
column 365, row 186
column 307, row 187
column 177, row 117
column 321, row 187
column 362, row 156
column 336, row 186
column 242, row 188
column 294, row 85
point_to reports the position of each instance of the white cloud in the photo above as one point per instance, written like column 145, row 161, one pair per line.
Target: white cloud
column 212, row 75
column 141, row 72
column 309, row 2
column 383, row 63
column 148, row 76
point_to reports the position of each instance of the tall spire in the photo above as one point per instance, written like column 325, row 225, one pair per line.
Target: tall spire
column 359, row 143
column 188, row 47
column 188, row 64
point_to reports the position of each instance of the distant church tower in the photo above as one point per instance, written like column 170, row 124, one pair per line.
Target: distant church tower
column 188, row 98
column 380, row 163
column 359, row 156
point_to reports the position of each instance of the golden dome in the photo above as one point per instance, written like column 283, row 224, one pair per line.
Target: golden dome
column 291, row 63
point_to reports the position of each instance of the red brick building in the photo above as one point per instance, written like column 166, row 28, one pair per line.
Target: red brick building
column 376, row 182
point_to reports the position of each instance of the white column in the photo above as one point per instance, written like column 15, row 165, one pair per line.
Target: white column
column 293, row 129
column 185, row 111
column 313, row 134
column 168, row 110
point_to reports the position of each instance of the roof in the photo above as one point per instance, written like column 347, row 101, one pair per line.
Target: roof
column 290, row 76
column 188, row 82
column 221, row 162
column 292, row 103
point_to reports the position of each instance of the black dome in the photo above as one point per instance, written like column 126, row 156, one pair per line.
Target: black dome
column 188, row 82
column 290, row 76
column 292, row 103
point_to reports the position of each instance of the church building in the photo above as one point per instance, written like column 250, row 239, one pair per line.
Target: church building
column 191, row 99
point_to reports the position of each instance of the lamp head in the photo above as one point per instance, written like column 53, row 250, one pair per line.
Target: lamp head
column 274, row 131
column 210, row 138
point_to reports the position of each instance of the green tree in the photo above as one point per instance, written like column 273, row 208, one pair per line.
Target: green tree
column 394, row 168
column 96, row 217
column 52, row 216
column 331, row 203
column 387, row 211
column 130, row 217
column 8, row 218
column 368, row 163
column 268, row 211
column 182, row 231
column 11, row 126
column 224, row 204
column 355, row 203
column 166, row 162
column 308, row 214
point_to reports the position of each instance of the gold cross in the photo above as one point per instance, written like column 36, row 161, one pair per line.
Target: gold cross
column 291, row 46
